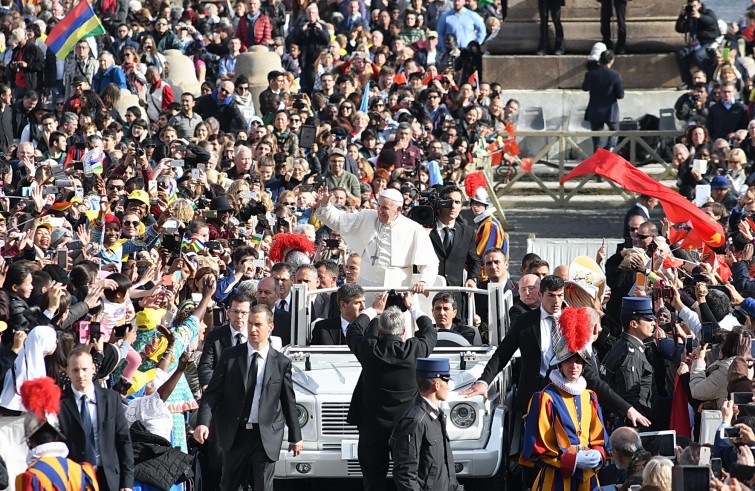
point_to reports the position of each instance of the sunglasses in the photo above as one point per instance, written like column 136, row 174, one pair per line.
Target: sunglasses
column 643, row 237
column 288, row 204
column 128, row 223
column 634, row 229
column 445, row 379
column 113, row 187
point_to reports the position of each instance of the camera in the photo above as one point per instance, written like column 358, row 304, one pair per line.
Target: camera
column 429, row 205
column 298, row 102
column 138, row 149
column 663, row 292
column 395, row 300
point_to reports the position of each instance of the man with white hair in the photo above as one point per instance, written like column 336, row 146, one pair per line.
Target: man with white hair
column 109, row 73
column 389, row 243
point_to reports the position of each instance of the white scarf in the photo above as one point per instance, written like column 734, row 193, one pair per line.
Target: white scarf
column 52, row 449
column 573, row 388
column 485, row 214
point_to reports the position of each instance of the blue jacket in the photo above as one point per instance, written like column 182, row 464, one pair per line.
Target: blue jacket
column 113, row 75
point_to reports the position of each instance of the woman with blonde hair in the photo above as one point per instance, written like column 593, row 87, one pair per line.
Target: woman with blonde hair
column 735, row 161
column 365, row 171
column 658, row 473
column 182, row 210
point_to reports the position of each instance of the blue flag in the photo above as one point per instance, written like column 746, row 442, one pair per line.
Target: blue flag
column 365, row 98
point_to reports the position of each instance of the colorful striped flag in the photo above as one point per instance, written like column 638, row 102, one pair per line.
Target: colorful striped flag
column 192, row 244
column 257, row 239
column 80, row 23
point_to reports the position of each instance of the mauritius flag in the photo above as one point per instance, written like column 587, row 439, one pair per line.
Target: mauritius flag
column 81, row 22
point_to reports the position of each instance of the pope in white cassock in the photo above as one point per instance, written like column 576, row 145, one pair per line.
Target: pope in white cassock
column 390, row 243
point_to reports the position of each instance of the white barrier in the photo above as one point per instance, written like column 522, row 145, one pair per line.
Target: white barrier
column 563, row 251
column 13, row 448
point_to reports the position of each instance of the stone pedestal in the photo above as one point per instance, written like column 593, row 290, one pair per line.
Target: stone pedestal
column 256, row 64
column 181, row 73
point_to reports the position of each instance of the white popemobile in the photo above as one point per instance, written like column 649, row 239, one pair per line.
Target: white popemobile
column 325, row 376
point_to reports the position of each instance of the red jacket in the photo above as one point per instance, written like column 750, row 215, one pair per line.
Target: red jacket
column 263, row 31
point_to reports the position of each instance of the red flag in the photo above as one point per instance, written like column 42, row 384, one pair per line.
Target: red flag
column 428, row 78
column 672, row 262
column 496, row 157
column 400, row 78
column 510, row 129
column 473, row 79
column 676, row 235
column 676, row 207
column 510, row 146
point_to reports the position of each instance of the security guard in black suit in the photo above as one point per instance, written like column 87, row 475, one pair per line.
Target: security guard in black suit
column 626, row 367
column 386, row 387
column 421, row 450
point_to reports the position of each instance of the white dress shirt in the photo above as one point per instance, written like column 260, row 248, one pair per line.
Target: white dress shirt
column 234, row 338
column 92, row 406
column 546, row 347
column 254, row 415
column 344, row 325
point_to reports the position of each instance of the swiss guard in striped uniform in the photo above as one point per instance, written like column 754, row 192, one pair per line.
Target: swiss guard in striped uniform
column 564, row 434
column 49, row 469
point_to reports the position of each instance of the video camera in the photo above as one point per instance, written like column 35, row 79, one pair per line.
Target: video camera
column 425, row 212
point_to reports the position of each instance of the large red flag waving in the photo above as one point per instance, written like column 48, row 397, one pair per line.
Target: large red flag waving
column 676, row 207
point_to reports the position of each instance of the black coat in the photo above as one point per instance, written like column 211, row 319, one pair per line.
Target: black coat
column 421, row 450
column 325, row 306
column 34, row 72
column 605, row 89
column 156, row 462
column 524, row 335
column 116, row 452
column 226, row 395
column 705, row 28
column 463, row 253
column 216, row 341
column 282, row 322
column 7, row 130
column 387, row 385
column 328, row 331
column 228, row 115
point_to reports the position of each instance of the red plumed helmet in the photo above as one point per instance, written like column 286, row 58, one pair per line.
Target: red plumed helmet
column 41, row 398
column 473, row 182
column 575, row 328
column 285, row 243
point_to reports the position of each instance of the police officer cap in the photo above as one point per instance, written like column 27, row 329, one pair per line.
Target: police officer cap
column 637, row 306
column 433, row 367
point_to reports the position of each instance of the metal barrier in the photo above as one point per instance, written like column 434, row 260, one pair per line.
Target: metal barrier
column 567, row 141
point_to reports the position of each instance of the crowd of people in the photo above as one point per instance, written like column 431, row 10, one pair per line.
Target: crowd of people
column 148, row 257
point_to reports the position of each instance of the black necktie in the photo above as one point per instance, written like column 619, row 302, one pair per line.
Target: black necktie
column 251, row 384
column 86, row 422
column 283, row 305
column 239, row 338
column 446, row 239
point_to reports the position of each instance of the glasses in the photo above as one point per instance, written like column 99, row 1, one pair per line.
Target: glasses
column 634, row 229
column 433, row 96
column 115, row 187
column 346, row 107
column 128, row 223
column 643, row 236
column 288, row 203
column 295, row 120
column 223, row 91
column 59, row 103
column 239, row 312
column 161, row 24
column 445, row 379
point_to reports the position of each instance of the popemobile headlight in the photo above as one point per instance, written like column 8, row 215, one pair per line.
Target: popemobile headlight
column 302, row 415
column 463, row 415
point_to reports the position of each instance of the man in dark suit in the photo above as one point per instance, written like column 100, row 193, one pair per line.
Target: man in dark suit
column 252, row 396
column 605, row 89
column 267, row 294
column 642, row 209
column 533, row 333
column 455, row 245
column 224, row 337
column 529, row 296
column 325, row 305
column 444, row 314
column 95, row 426
column 215, row 343
column 333, row 331
column 495, row 263
column 387, row 385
